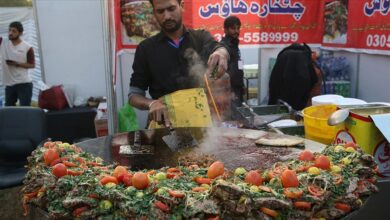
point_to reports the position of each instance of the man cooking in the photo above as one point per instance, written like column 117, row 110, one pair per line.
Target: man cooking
column 160, row 65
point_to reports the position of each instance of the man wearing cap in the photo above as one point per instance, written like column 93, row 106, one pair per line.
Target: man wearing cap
column 160, row 65
column 17, row 57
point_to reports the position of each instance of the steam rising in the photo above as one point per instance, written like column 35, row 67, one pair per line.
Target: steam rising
column 197, row 68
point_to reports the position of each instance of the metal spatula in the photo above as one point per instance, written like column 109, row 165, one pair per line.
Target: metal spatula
column 179, row 139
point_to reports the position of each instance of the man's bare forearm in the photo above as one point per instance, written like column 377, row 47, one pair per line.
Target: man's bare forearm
column 140, row 102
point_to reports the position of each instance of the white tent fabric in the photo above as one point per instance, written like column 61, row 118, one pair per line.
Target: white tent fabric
column 26, row 16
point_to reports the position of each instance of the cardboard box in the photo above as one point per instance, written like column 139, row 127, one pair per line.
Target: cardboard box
column 101, row 119
column 369, row 128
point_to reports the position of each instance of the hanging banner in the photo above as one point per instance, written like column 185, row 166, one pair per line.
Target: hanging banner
column 369, row 26
column 264, row 22
column 134, row 22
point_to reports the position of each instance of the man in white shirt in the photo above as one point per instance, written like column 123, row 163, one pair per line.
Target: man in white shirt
column 17, row 57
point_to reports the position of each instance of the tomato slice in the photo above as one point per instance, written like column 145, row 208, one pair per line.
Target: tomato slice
column 108, row 179
column 77, row 212
column 173, row 170
column 315, row 190
column 176, row 194
column 269, row 212
column 343, row 207
column 161, row 206
column 302, row 205
column 74, row 172
column 213, row 218
column 198, row 189
column 69, row 164
column 293, row 193
column 201, row 180
column 93, row 196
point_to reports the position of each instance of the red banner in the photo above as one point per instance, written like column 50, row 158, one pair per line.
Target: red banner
column 263, row 21
column 369, row 24
column 358, row 25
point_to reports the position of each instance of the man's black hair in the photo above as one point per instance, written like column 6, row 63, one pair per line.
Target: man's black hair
column 151, row 2
column 17, row 25
column 231, row 21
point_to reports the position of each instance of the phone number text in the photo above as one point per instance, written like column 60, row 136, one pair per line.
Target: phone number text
column 265, row 37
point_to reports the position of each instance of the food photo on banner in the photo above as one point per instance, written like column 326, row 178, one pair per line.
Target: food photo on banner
column 134, row 22
column 335, row 22
column 264, row 22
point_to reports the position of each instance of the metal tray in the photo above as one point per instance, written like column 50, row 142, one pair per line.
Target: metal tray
column 262, row 110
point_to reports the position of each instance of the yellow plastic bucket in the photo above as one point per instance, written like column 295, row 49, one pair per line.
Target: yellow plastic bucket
column 316, row 123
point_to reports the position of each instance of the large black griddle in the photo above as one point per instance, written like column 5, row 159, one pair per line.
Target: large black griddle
column 234, row 147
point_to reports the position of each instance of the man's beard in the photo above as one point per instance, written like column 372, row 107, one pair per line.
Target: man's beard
column 177, row 26
column 13, row 38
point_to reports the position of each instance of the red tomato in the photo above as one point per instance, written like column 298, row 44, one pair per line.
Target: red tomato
column 289, row 179
column 56, row 161
column 59, row 170
column 161, row 206
column 351, row 144
column 322, row 162
column 127, row 179
column 253, row 177
column 306, row 155
column 176, row 194
column 343, row 207
column 216, row 169
column 108, row 179
column 140, row 180
column 302, row 205
column 119, row 170
column 48, row 144
column 49, row 156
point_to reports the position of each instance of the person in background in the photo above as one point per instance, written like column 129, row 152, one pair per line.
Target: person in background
column 232, row 27
column 17, row 58
column 160, row 65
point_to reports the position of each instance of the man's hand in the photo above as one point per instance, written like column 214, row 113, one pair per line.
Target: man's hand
column 11, row 63
column 159, row 113
column 219, row 57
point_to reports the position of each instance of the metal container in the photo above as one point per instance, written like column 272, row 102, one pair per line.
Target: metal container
column 361, row 129
column 274, row 111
